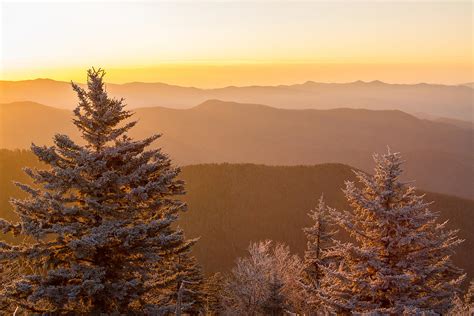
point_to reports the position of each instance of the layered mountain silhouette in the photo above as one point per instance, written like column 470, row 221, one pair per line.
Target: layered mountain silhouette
column 459, row 123
column 439, row 100
column 439, row 155
column 233, row 204
column 469, row 84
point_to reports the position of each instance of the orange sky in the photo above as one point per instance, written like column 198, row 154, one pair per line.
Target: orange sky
column 219, row 75
column 214, row 44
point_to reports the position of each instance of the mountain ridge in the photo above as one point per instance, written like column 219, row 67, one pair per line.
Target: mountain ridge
column 214, row 103
column 217, row 131
column 311, row 82
column 452, row 101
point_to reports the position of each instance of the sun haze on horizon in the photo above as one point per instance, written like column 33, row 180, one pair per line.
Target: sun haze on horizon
column 215, row 44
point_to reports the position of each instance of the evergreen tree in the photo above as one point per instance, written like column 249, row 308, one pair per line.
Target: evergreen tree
column 469, row 297
column 183, row 286
column 102, row 222
column 316, row 257
column 213, row 290
column 401, row 261
column 464, row 306
column 190, row 279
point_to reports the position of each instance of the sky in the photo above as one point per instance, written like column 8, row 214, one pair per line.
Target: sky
column 219, row 43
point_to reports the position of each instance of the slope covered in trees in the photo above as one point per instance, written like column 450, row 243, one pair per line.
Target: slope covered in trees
column 439, row 155
column 234, row 204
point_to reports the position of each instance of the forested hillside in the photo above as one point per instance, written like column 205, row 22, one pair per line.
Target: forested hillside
column 237, row 158
column 233, row 204
column 439, row 154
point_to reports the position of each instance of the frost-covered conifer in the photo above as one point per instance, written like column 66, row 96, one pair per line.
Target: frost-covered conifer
column 319, row 237
column 464, row 306
column 401, row 260
column 469, row 297
column 101, row 222
column 190, row 279
column 184, row 285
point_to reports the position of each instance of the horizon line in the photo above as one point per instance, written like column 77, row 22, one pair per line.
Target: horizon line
column 375, row 81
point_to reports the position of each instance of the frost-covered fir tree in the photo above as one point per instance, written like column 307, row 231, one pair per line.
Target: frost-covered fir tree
column 101, row 222
column 464, row 306
column 184, row 284
column 319, row 240
column 190, row 280
column 401, row 260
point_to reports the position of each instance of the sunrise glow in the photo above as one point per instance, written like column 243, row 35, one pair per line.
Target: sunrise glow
column 239, row 43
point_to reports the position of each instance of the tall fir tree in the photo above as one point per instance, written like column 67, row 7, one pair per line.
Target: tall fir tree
column 401, row 261
column 101, row 224
column 319, row 240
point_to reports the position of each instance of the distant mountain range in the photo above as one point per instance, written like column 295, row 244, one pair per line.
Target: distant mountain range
column 233, row 204
column 439, row 155
column 455, row 102
column 459, row 123
column 469, row 84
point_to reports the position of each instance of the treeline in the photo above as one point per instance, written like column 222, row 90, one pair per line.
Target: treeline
column 98, row 233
